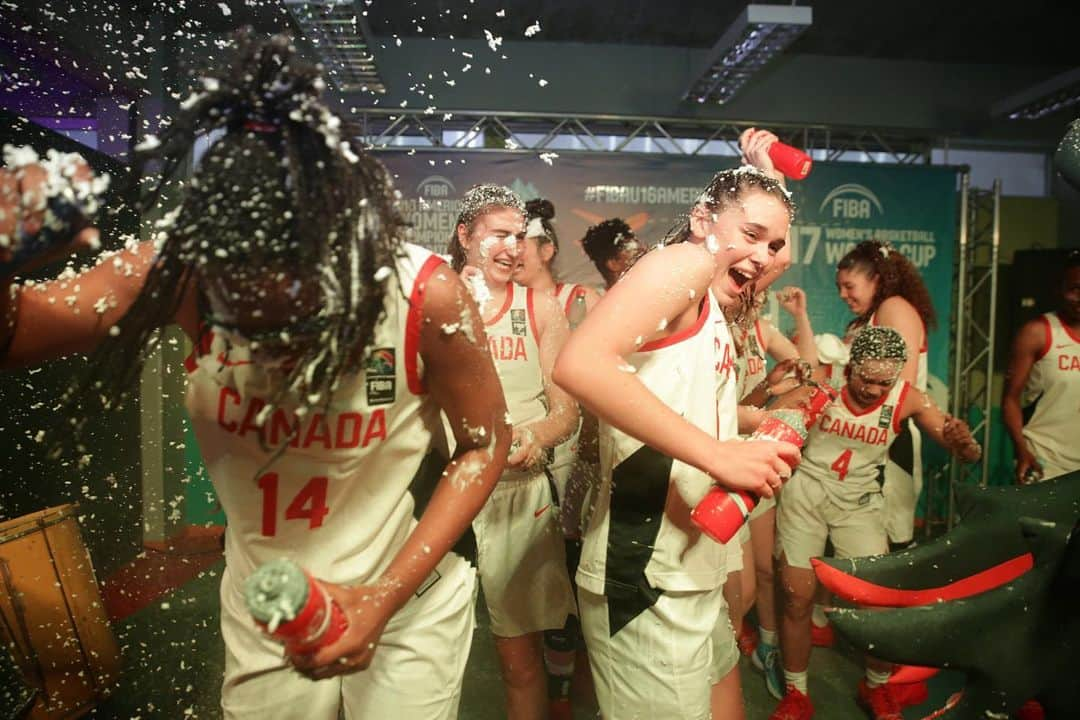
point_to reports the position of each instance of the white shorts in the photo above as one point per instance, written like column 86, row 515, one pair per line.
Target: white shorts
column 416, row 672
column 734, row 548
column 807, row 517
column 901, row 491
column 521, row 556
column 662, row 663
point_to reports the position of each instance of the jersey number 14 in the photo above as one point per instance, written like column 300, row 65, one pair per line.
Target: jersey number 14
column 308, row 504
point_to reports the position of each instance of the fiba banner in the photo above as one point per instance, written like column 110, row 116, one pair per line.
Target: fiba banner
column 839, row 204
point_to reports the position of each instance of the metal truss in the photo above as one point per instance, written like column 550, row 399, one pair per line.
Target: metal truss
column 972, row 329
column 541, row 132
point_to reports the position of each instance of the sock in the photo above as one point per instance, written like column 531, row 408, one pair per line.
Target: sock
column 876, row 679
column 796, row 679
column 818, row 616
column 767, row 637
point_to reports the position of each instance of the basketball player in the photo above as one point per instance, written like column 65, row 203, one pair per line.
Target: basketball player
column 322, row 361
column 835, row 495
column 1044, row 368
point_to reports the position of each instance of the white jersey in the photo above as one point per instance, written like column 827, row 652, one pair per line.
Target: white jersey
column 751, row 361
column 1055, row 382
column 845, row 447
column 640, row 537
column 727, row 379
column 565, row 294
column 515, row 349
column 342, row 495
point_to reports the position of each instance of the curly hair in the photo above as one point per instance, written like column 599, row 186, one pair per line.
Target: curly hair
column 725, row 190
column 543, row 211
column 279, row 187
column 895, row 275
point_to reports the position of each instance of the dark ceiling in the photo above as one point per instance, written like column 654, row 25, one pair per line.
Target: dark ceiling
column 1035, row 32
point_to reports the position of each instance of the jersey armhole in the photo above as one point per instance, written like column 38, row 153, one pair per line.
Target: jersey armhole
column 760, row 337
column 1048, row 338
column 414, row 322
column 900, row 406
column 532, row 315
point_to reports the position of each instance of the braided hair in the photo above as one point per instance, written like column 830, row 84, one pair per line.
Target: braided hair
column 895, row 275
column 280, row 188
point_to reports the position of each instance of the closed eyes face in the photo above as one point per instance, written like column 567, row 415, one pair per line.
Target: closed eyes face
column 494, row 243
column 857, row 289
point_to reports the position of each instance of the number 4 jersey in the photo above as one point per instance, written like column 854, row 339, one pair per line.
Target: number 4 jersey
column 336, row 489
column 847, row 446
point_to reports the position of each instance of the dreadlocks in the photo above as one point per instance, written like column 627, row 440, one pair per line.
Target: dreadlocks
column 280, row 189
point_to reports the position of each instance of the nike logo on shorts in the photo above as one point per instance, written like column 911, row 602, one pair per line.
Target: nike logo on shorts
column 540, row 512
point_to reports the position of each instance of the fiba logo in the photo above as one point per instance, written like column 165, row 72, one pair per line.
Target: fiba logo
column 436, row 187
column 851, row 202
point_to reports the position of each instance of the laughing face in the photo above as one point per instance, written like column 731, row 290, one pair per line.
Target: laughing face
column 744, row 239
column 494, row 243
column 857, row 289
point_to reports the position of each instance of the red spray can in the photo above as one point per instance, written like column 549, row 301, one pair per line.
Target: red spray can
column 722, row 512
column 791, row 161
column 292, row 607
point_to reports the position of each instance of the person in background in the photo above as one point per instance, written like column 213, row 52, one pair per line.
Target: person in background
column 521, row 554
column 572, row 477
column 1044, row 370
column 612, row 247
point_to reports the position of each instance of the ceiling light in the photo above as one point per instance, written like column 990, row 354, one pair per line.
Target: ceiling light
column 1057, row 93
column 759, row 34
column 340, row 35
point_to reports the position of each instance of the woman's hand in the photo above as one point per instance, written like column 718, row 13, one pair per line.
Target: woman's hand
column 755, row 144
column 760, row 466
column 793, row 300
column 526, row 452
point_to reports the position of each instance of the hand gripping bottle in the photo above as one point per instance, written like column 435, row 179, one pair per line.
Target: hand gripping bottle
column 722, row 512
column 792, row 162
column 293, row 608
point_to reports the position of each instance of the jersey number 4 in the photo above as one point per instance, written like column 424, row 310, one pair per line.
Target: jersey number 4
column 309, row 504
column 840, row 465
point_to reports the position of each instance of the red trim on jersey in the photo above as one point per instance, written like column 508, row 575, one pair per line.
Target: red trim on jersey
column 1048, row 332
column 532, row 315
column 505, row 306
column 191, row 362
column 865, row 592
column 703, row 314
column 570, row 298
column 899, row 405
column 760, row 339
column 413, row 323
column 872, row 408
column 1067, row 330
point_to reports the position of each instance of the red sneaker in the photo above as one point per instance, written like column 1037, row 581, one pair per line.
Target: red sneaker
column 1031, row 710
column 747, row 639
column 879, row 702
column 823, row 635
column 795, row 706
column 908, row 694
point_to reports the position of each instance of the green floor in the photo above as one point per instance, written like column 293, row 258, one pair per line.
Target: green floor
column 174, row 658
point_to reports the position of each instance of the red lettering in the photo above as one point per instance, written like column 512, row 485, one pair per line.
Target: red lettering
column 318, row 431
column 226, row 393
column 840, row 465
column 351, row 422
column 519, row 350
column 1068, row 362
column 253, row 408
column 310, row 503
column 376, row 428
column 284, row 426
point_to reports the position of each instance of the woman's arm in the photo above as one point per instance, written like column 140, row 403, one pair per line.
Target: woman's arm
column 947, row 431
column 900, row 315
column 562, row 414
column 1028, row 344
column 460, row 375
column 658, row 296
column 793, row 300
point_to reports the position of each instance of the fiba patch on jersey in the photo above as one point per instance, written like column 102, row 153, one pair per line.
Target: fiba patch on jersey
column 381, row 374
column 886, row 416
column 517, row 321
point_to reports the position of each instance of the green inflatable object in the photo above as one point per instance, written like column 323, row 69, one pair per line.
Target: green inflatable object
column 994, row 598
column 1067, row 157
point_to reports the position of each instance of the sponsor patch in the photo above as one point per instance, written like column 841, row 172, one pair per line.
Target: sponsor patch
column 381, row 376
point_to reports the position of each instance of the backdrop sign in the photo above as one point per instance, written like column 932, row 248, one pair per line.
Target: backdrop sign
column 839, row 204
